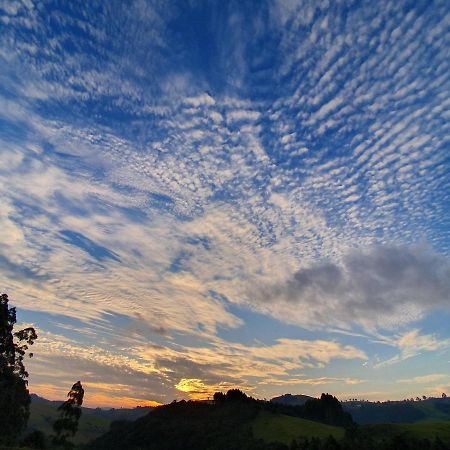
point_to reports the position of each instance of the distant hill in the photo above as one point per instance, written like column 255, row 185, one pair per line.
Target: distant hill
column 113, row 414
column 93, row 423
column 109, row 414
column 291, row 400
column 43, row 414
column 432, row 409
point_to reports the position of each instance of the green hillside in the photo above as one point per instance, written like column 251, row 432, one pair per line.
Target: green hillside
column 432, row 409
column 281, row 428
column 43, row 415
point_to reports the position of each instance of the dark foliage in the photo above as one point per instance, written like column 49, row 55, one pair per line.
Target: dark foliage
column 36, row 439
column 14, row 395
column 233, row 395
column 70, row 413
column 326, row 409
column 369, row 443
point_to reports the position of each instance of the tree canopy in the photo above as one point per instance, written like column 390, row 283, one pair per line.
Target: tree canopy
column 70, row 413
column 14, row 396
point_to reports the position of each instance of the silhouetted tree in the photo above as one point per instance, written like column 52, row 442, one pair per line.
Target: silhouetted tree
column 14, row 396
column 70, row 413
column 444, row 395
column 327, row 409
column 219, row 397
column 237, row 395
column 233, row 395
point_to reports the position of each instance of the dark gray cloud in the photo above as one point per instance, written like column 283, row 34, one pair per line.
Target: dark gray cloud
column 383, row 287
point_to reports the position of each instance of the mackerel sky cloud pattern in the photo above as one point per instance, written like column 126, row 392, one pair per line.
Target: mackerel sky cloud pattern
column 212, row 194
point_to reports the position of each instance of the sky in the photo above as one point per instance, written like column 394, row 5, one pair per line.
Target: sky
column 200, row 195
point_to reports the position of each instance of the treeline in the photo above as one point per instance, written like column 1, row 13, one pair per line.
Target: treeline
column 326, row 409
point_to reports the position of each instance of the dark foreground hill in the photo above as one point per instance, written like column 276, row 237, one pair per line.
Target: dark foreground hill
column 238, row 422
column 232, row 421
column 226, row 426
column 186, row 426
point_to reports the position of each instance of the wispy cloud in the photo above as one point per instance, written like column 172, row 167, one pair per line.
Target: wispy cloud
column 413, row 343
column 179, row 180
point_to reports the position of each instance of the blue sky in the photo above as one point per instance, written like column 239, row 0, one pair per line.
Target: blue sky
column 202, row 195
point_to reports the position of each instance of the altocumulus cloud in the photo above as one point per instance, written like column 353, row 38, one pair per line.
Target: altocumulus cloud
column 382, row 287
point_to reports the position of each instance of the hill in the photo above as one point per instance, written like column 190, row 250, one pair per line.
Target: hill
column 432, row 409
column 93, row 422
column 109, row 414
column 232, row 421
column 256, row 425
column 272, row 427
column 186, row 426
column 42, row 416
column 289, row 399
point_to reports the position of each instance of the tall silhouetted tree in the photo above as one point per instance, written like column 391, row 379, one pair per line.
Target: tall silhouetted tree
column 14, row 396
column 70, row 413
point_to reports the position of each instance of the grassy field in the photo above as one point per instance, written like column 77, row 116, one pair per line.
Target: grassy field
column 419, row 430
column 42, row 417
column 280, row 428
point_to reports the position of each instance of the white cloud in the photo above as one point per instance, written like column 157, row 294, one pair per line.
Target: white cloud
column 200, row 100
column 242, row 115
